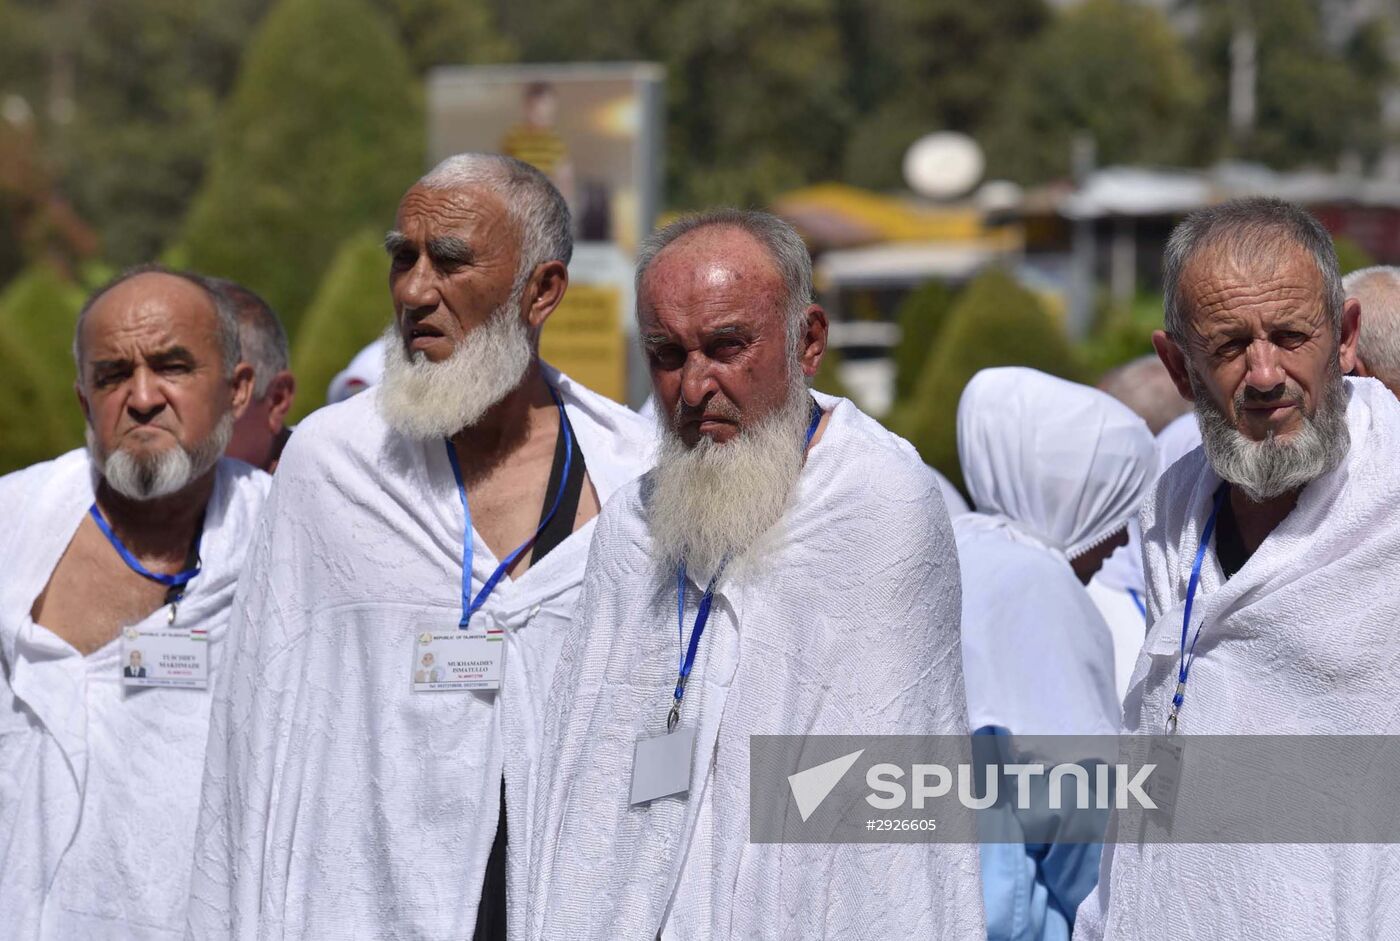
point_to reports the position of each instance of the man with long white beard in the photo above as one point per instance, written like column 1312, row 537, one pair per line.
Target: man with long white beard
column 349, row 792
column 1271, row 556
column 804, row 557
column 120, row 563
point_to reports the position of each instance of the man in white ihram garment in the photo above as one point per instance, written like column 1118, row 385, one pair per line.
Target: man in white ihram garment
column 1287, row 513
column 120, row 563
column 812, row 562
column 451, row 505
column 1056, row 471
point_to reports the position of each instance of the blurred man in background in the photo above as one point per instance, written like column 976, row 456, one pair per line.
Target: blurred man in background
column 1378, row 344
column 450, row 506
column 761, row 520
column 140, row 536
column 1279, row 538
column 261, row 434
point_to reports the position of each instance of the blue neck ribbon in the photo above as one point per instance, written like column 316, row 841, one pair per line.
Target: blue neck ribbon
column 174, row 582
column 1189, row 657
column 471, row 605
column 1137, row 600
column 702, row 616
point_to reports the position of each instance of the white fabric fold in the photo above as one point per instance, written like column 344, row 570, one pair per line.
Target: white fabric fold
column 844, row 622
column 99, row 786
column 1052, row 465
column 337, row 803
column 1301, row 640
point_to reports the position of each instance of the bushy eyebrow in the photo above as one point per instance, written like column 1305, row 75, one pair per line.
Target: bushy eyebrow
column 449, row 249
column 395, row 241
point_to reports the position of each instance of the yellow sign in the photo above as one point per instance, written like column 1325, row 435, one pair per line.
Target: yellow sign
column 584, row 339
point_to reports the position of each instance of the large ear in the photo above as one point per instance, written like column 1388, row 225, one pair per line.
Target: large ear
column 1174, row 358
column 1351, row 329
column 813, row 340
column 544, row 292
column 242, row 384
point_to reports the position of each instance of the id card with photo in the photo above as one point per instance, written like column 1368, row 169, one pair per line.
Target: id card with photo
column 445, row 660
column 165, row 657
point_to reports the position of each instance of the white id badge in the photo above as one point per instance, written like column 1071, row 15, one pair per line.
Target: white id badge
column 1165, row 752
column 457, row 660
column 165, row 657
column 661, row 765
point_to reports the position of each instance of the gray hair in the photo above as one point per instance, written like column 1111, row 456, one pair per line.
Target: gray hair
column 788, row 251
column 1255, row 227
column 225, row 314
column 260, row 332
column 533, row 202
column 1378, row 342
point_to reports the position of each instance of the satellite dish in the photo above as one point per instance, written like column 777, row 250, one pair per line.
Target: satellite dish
column 943, row 165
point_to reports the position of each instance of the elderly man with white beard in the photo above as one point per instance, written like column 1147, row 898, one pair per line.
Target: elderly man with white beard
column 1271, row 554
column 787, row 568
column 120, row 563
column 349, row 792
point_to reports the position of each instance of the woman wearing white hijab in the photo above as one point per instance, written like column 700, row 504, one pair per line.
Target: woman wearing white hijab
column 1055, row 471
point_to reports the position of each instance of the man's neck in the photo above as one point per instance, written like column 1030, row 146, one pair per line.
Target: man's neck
column 161, row 529
column 506, row 426
column 1256, row 520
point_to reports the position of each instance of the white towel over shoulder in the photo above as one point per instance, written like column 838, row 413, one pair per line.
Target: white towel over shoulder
column 1301, row 641
column 846, row 624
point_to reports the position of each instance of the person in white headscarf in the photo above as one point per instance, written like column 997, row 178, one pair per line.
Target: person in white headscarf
column 1055, row 470
column 349, row 791
column 835, row 613
column 1279, row 538
column 119, row 565
column 1118, row 589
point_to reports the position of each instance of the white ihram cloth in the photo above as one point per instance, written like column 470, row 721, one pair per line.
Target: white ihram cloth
column 1054, row 468
column 337, row 803
column 99, row 787
column 1122, row 573
column 843, row 620
column 1300, row 641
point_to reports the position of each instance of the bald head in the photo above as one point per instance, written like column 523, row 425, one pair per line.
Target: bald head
column 1378, row 343
column 1145, row 386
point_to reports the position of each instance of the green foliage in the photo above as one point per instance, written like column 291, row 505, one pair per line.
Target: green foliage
column 447, row 32
column 995, row 322
column 350, row 309
column 39, row 418
column 321, row 136
column 1313, row 102
column 921, row 316
column 925, row 65
column 1114, row 70
column 1121, row 335
column 1351, row 256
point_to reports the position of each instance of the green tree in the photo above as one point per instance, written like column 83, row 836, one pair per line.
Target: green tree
column 1350, row 255
column 1114, row 70
column 1314, row 101
column 322, row 134
column 995, row 322
column 38, row 311
column 448, row 32
column 350, row 309
column 921, row 317
column 828, row 377
column 926, row 65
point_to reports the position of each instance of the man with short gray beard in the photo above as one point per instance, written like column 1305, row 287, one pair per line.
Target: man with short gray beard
column 807, row 557
column 119, row 565
column 1271, row 554
column 442, row 516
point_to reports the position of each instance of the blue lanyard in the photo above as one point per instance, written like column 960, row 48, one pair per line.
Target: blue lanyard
column 1137, row 600
column 702, row 616
column 471, row 605
column 176, row 581
column 1184, row 669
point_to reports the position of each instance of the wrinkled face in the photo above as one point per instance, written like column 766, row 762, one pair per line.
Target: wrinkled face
column 453, row 258
column 1260, row 340
column 152, row 376
column 711, row 310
